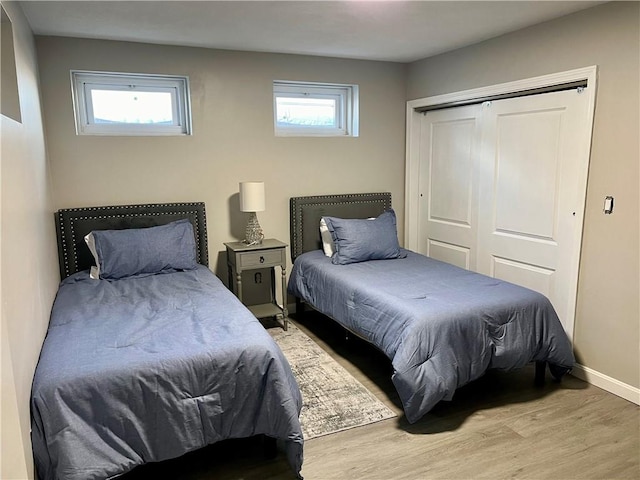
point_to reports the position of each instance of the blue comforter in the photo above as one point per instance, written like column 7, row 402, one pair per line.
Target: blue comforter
column 441, row 326
column 150, row 367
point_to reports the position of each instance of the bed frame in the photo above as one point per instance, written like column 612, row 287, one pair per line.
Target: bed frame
column 72, row 224
column 305, row 214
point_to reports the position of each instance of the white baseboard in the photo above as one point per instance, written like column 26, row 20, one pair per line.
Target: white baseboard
column 607, row 383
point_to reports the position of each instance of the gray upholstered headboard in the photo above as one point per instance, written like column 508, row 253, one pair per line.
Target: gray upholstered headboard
column 72, row 224
column 305, row 214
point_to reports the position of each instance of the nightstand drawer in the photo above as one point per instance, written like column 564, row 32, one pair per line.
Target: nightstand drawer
column 267, row 258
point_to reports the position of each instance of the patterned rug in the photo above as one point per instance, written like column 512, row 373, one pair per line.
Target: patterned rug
column 332, row 399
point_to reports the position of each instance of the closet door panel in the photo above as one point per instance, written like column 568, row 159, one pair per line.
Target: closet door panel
column 448, row 200
column 530, row 158
column 526, row 173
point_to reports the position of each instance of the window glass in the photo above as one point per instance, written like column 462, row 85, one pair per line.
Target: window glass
column 319, row 112
column 113, row 106
column 130, row 104
column 315, row 109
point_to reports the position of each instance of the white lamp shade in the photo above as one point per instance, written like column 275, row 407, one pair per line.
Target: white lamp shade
column 252, row 197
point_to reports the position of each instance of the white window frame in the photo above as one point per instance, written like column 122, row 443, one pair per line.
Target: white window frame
column 346, row 97
column 84, row 81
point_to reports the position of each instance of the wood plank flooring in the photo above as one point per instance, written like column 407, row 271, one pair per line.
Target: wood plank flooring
column 498, row 427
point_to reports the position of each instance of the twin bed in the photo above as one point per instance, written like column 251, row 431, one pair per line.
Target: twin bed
column 441, row 326
column 157, row 357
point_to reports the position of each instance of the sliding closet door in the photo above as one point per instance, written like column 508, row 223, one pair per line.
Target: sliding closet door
column 448, row 185
column 531, row 194
column 502, row 188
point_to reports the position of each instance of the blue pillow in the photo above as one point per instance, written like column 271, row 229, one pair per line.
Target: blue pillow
column 359, row 240
column 123, row 253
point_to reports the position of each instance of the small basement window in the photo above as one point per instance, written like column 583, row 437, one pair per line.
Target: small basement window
column 315, row 109
column 130, row 104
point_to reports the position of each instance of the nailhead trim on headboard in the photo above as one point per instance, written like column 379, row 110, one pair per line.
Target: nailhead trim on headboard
column 69, row 220
column 369, row 204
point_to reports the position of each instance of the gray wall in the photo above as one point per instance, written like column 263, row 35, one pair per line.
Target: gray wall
column 29, row 269
column 233, row 141
column 607, row 319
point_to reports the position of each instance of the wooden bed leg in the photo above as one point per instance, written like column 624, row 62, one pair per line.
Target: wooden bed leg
column 540, row 370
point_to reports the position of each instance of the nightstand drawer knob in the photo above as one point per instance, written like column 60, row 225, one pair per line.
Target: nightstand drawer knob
column 261, row 259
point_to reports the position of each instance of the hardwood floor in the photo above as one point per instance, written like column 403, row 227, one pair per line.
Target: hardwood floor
column 499, row 427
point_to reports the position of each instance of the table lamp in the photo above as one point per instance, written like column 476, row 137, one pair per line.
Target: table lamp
column 252, row 200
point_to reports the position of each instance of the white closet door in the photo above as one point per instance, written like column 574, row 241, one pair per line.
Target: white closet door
column 448, row 192
column 531, row 194
column 502, row 188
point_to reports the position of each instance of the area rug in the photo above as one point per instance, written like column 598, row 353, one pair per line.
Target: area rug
column 332, row 399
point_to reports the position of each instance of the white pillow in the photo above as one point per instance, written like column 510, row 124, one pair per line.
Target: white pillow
column 327, row 241
column 91, row 243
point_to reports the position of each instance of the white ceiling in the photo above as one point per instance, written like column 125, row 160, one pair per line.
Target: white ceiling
column 388, row 30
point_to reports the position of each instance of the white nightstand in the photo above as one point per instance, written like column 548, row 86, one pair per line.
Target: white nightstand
column 271, row 253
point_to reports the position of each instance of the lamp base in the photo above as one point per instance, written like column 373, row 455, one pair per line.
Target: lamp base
column 253, row 234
